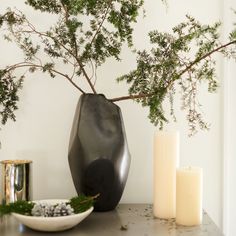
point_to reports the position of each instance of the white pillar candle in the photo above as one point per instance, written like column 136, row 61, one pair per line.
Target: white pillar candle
column 189, row 196
column 166, row 159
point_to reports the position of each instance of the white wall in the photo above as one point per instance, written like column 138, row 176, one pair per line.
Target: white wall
column 46, row 110
column 229, row 204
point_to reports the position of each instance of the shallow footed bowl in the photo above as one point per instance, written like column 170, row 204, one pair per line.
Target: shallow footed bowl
column 52, row 224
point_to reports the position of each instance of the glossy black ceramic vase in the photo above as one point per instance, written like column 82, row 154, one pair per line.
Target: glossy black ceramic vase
column 99, row 158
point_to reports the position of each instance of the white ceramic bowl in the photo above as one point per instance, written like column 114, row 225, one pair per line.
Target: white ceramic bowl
column 52, row 224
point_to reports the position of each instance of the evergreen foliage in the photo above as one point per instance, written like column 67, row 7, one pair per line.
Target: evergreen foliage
column 88, row 32
column 20, row 207
column 82, row 203
column 79, row 204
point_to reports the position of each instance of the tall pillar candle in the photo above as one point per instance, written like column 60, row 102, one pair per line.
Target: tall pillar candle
column 189, row 196
column 166, row 159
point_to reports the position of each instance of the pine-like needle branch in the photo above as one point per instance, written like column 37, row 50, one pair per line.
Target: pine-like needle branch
column 87, row 33
column 79, row 203
column 20, row 207
column 181, row 61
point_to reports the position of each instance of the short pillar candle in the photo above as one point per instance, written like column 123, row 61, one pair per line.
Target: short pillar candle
column 166, row 159
column 189, row 196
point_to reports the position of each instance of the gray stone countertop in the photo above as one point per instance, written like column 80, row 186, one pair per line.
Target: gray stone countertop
column 126, row 220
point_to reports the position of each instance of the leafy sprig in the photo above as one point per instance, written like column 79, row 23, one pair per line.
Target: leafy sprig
column 21, row 207
column 180, row 62
column 86, row 33
column 80, row 204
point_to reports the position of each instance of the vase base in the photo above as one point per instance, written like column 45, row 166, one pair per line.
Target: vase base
column 99, row 178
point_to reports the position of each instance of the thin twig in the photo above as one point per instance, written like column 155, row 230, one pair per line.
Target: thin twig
column 187, row 68
column 101, row 23
column 66, row 11
column 68, row 50
column 76, row 56
column 141, row 95
column 92, row 197
column 206, row 55
column 29, row 64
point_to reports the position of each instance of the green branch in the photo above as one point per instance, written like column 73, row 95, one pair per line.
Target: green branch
column 80, row 204
column 50, row 69
column 188, row 67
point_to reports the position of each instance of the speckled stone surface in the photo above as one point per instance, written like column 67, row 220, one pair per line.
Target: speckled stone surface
column 127, row 220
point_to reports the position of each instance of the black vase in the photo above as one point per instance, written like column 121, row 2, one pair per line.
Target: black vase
column 99, row 158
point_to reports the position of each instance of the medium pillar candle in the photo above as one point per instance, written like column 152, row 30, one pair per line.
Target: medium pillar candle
column 189, row 196
column 166, row 158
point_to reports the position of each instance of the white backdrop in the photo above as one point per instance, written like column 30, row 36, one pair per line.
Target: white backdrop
column 47, row 106
column 229, row 111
